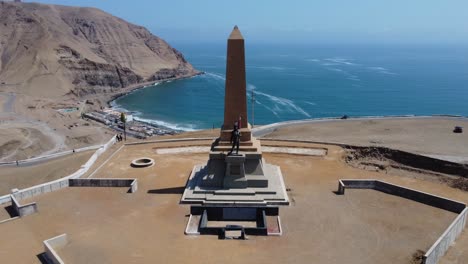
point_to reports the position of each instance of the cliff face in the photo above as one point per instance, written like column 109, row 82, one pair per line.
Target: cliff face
column 52, row 51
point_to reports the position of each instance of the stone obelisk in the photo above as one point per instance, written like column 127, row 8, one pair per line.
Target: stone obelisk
column 235, row 100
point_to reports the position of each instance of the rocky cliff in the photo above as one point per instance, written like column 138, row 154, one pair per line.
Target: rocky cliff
column 55, row 51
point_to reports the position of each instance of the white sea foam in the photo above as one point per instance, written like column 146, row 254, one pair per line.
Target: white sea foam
column 277, row 101
column 274, row 68
column 336, row 69
column 268, row 108
column 342, row 61
column 216, row 76
column 353, row 78
column 330, row 64
column 280, row 104
column 381, row 70
column 348, row 75
column 184, row 127
column 299, row 74
column 286, row 103
column 310, row 103
column 312, row 60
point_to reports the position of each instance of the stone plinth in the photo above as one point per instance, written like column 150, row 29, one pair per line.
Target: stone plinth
column 196, row 192
column 224, row 146
column 235, row 172
column 246, row 134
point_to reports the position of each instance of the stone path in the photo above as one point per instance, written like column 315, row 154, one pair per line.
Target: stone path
column 288, row 150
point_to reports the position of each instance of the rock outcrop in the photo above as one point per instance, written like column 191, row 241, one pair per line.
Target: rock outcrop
column 54, row 51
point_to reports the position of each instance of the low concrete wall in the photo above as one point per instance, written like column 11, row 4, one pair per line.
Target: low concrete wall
column 106, row 182
column 48, row 157
column 440, row 247
column 5, row 199
column 134, row 186
column 393, row 189
column 59, row 183
column 50, row 245
column 23, row 210
column 442, row 244
column 41, row 189
column 422, row 197
column 169, row 140
column 355, row 184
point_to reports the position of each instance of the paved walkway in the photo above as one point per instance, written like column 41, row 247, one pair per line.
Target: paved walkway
column 288, row 150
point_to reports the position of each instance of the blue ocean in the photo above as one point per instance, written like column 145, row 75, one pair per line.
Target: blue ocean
column 291, row 82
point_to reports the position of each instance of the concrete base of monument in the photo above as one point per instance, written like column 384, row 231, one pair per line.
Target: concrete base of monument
column 224, row 146
column 246, row 134
column 208, row 189
column 242, row 221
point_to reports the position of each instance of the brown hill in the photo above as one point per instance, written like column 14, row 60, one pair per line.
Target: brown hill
column 56, row 57
column 51, row 51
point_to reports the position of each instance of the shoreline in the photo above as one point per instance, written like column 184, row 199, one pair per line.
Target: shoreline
column 142, row 128
column 143, row 85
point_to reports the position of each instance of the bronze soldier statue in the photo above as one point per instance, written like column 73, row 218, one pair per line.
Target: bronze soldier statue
column 235, row 139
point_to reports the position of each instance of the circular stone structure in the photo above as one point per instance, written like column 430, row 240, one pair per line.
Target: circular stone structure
column 142, row 162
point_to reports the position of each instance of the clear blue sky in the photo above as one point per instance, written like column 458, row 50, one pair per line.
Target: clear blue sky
column 303, row 21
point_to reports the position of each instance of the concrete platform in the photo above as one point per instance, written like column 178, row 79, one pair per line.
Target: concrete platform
column 274, row 194
column 361, row 227
column 224, row 145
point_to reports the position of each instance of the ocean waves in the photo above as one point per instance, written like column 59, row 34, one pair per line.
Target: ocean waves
column 272, row 103
column 338, row 64
column 312, row 81
column 182, row 127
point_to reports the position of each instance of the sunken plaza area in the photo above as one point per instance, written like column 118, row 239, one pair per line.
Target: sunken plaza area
column 110, row 225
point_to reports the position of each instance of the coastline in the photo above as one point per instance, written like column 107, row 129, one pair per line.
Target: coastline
column 142, row 85
column 140, row 128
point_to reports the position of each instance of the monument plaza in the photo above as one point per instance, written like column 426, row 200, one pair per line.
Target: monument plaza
column 199, row 200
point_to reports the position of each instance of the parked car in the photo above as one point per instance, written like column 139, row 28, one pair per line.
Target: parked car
column 458, row 129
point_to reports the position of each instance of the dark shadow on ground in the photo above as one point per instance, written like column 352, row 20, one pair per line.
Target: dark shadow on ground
column 171, row 190
column 11, row 212
column 42, row 258
column 215, row 143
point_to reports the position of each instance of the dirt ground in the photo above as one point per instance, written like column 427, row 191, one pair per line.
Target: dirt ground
column 27, row 176
column 31, row 127
column 108, row 225
column 429, row 136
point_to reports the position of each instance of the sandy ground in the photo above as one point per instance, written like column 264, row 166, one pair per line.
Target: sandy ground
column 31, row 126
column 429, row 136
column 112, row 226
column 27, row 176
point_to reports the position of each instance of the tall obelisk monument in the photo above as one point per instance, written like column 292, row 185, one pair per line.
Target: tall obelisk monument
column 235, row 100
column 243, row 178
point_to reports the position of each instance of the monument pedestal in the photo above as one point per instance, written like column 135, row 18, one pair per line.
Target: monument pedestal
column 246, row 134
column 244, row 179
column 235, row 172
